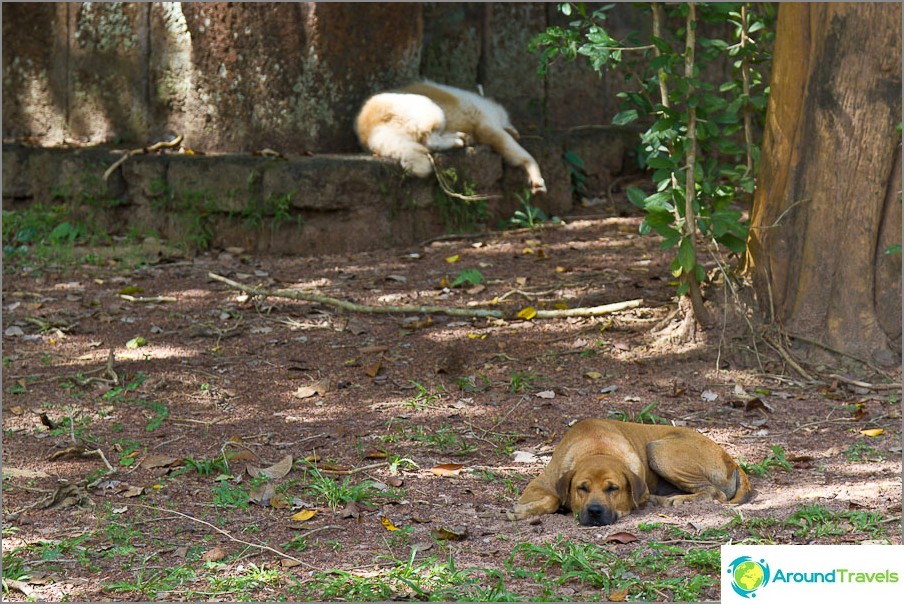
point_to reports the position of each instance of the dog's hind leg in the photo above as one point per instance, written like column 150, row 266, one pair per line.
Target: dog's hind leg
column 441, row 141
column 700, row 468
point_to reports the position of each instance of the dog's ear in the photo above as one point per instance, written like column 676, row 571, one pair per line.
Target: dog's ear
column 639, row 491
column 563, row 487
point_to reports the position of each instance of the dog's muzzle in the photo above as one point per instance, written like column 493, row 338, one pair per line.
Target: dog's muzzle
column 597, row 515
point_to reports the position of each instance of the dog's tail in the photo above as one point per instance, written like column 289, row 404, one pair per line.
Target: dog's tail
column 743, row 490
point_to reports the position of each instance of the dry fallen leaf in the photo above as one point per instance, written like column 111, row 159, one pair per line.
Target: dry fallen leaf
column 280, row 469
column 872, row 432
column 447, row 469
column 620, row 537
column 373, row 370
column 214, row 555
column 618, row 596
column 303, row 515
column 527, row 313
column 455, row 533
column 160, row 461
column 131, row 491
column 387, row 524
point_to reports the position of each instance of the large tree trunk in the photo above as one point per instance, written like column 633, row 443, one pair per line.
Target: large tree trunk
column 828, row 199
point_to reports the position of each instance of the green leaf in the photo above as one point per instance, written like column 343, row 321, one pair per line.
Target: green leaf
column 625, row 117
column 136, row 342
column 636, row 196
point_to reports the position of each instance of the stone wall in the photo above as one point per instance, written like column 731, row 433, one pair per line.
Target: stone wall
column 236, row 77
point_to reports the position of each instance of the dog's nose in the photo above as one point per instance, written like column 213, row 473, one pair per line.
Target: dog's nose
column 596, row 515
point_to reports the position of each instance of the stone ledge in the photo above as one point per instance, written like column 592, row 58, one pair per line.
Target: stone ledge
column 301, row 205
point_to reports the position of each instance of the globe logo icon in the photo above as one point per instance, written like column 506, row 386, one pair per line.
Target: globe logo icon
column 748, row 575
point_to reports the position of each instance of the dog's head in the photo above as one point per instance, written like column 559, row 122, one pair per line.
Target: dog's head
column 601, row 489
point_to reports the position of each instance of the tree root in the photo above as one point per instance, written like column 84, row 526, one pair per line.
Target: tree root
column 594, row 311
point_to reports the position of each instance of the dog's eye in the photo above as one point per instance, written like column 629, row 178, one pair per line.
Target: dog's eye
column 612, row 488
column 584, row 488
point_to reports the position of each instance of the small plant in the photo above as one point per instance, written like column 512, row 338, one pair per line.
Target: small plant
column 470, row 276
column 207, row 467
column 529, row 216
column 336, row 494
column 228, row 495
column 522, row 380
column 776, row 459
column 644, row 416
column 469, row 383
column 425, row 397
column 861, row 451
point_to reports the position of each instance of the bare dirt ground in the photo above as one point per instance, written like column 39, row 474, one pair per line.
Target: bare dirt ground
column 449, row 417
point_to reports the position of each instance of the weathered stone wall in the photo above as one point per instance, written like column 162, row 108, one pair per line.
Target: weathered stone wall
column 236, row 77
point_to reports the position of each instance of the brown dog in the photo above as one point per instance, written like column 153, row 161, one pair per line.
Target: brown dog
column 603, row 469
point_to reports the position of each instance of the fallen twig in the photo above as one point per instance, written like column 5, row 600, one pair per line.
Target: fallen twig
column 149, row 300
column 354, row 470
column 865, row 385
column 292, row 294
column 227, row 535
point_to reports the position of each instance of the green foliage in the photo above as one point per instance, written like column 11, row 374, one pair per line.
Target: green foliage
column 644, row 416
column 776, row 459
column 470, row 276
column 664, row 98
column 460, row 215
column 336, row 494
column 529, row 216
column 577, row 173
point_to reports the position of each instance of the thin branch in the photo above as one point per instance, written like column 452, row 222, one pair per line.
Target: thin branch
column 227, row 535
column 593, row 311
column 155, row 147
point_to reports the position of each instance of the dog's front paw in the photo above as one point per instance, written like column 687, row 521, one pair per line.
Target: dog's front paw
column 538, row 186
column 419, row 165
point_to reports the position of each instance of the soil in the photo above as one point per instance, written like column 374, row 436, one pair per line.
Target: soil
column 258, row 379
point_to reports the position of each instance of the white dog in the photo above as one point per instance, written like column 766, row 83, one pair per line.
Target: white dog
column 409, row 123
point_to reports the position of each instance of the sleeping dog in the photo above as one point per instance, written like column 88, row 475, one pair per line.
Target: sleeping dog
column 407, row 124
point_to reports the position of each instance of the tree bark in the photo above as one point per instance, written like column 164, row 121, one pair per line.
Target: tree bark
column 828, row 192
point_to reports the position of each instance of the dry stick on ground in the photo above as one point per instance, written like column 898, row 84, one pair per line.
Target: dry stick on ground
column 227, row 535
column 292, row 294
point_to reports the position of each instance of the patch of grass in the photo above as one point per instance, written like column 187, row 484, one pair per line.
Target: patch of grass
column 814, row 521
column 645, row 574
column 240, row 585
column 337, row 494
column 228, row 495
column 150, row 582
column 207, row 467
column 160, row 411
column 776, row 459
column 412, row 579
column 861, row 451
column 442, row 438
